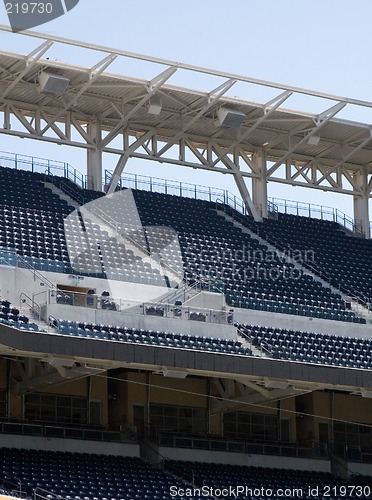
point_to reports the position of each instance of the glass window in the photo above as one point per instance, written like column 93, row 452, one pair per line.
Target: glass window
column 55, row 408
column 178, row 418
column 250, row 426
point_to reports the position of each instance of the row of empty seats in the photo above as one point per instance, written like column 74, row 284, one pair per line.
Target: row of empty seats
column 44, row 229
column 311, row 347
column 149, row 337
column 82, row 476
column 296, row 483
column 39, row 225
column 11, row 316
column 341, row 259
column 213, row 248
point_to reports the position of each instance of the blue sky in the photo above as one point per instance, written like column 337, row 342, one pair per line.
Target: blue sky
column 322, row 45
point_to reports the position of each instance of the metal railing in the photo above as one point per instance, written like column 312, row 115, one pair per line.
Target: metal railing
column 352, row 453
column 41, row 494
column 42, row 166
column 183, row 189
column 177, row 188
column 9, row 257
column 149, row 308
column 314, row 211
column 263, row 347
column 220, row 444
column 65, row 432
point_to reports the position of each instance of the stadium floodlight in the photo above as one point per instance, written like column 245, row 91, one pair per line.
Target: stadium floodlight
column 230, row 117
column 53, row 83
column 275, row 384
column 314, row 140
column 174, row 373
column 154, row 105
column 365, row 393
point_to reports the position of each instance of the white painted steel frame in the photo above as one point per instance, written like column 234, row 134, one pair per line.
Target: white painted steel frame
column 341, row 165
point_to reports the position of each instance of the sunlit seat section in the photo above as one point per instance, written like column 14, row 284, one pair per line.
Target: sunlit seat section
column 150, row 337
column 310, row 347
column 11, row 316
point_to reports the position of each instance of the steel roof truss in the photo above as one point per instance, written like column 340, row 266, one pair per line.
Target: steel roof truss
column 356, row 149
column 52, row 125
column 94, row 73
column 84, row 134
column 268, row 110
column 22, row 119
column 152, row 88
column 326, row 175
column 211, row 101
column 322, row 119
column 124, row 158
column 31, row 61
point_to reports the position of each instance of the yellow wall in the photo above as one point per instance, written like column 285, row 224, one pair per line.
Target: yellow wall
column 353, row 408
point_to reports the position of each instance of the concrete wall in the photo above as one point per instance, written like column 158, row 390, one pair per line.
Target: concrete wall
column 230, row 458
column 14, row 281
column 207, row 300
column 174, row 325
column 144, row 355
column 357, row 468
column 71, row 445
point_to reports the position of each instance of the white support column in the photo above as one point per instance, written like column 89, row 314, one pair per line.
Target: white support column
column 361, row 208
column 246, row 197
column 259, row 186
column 94, row 157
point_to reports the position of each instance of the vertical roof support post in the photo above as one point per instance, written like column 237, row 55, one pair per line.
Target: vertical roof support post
column 259, row 184
column 361, row 206
column 94, row 157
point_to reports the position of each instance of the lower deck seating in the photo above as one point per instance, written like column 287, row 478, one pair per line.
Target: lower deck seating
column 149, row 337
column 81, row 476
column 311, row 347
column 297, row 483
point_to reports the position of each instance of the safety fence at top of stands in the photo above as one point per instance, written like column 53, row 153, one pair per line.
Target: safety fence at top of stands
column 43, row 166
column 314, row 211
column 177, row 188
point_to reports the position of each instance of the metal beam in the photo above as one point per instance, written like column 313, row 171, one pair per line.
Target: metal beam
column 279, row 100
column 189, row 67
column 211, row 101
column 31, row 61
column 123, row 160
column 94, row 73
column 154, row 85
column 356, row 149
column 240, row 183
column 255, row 399
column 323, row 118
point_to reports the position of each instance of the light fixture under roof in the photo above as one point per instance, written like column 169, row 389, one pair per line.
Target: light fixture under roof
column 314, row 140
column 365, row 393
column 230, row 117
column 154, row 106
column 53, row 83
